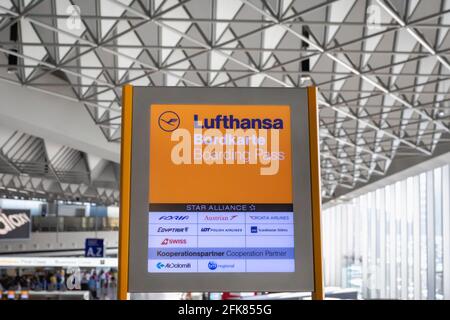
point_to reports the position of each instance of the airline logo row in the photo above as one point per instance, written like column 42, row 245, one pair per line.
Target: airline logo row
column 221, row 229
column 220, row 242
column 221, row 217
column 210, row 266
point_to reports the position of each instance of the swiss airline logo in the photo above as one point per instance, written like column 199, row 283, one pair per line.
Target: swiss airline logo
column 169, row 241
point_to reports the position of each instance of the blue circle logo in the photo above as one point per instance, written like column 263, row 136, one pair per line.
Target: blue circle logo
column 169, row 121
column 212, row 265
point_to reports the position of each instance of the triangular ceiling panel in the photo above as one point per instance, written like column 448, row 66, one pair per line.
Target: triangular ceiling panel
column 72, row 26
column 127, row 55
column 35, row 52
column 111, row 9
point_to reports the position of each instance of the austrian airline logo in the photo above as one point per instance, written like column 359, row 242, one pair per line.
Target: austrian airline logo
column 226, row 139
column 168, row 241
column 169, row 121
column 11, row 222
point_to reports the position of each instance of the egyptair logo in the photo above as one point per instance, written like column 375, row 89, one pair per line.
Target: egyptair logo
column 169, row 121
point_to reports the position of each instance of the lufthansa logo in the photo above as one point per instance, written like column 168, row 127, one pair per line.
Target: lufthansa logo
column 169, row 121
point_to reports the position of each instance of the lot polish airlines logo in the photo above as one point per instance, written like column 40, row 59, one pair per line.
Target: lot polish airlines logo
column 11, row 222
column 226, row 140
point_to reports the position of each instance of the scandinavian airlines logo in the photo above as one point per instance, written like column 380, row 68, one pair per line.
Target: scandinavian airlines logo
column 226, row 140
column 11, row 222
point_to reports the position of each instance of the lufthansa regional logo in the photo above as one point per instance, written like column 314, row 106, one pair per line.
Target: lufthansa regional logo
column 169, row 121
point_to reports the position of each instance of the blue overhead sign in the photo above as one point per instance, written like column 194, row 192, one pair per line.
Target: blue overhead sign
column 94, row 248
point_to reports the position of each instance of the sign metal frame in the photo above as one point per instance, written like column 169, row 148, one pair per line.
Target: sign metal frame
column 135, row 100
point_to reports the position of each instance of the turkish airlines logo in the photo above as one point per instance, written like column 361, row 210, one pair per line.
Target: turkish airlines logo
column 11, row 222
column 168, row 241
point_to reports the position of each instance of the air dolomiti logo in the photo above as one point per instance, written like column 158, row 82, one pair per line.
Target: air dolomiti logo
column 12, row 222
column 228, row 140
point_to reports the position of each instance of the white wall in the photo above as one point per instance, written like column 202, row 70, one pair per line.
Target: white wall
column 32, row 205
column 68, row 210
column 30, row 111
column 42, row 241
column 394, row 242
column 113, row 212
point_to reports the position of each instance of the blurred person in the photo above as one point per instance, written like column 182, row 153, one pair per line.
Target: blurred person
column 58, row 280
column 53, row 282
column 62, row 281
column 84, row 281
column 187, row 296
column 92, row 284
column 112, row 288
column 102, row 284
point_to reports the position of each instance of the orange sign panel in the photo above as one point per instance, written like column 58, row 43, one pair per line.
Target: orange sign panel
column 220, row 154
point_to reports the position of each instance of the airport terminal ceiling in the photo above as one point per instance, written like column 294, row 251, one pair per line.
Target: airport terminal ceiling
column 381, row 67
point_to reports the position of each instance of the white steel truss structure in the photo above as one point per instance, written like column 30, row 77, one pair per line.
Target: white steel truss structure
column 381, row 66
column 34, row 168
